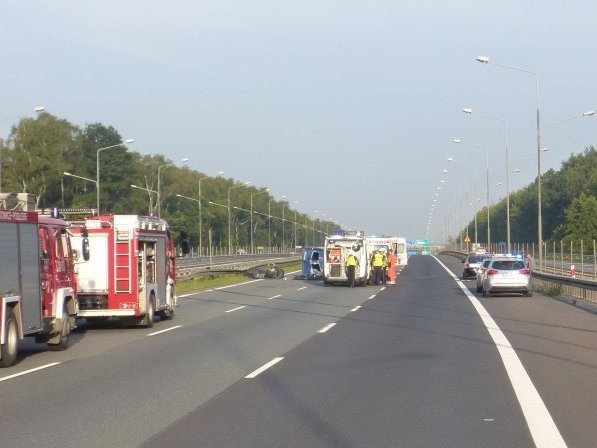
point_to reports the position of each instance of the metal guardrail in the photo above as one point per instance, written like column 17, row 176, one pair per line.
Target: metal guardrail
column 196, row 267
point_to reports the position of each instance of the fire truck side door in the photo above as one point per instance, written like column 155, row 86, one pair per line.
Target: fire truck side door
column 31, row 304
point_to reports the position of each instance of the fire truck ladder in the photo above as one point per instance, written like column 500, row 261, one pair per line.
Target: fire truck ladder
column 122, row 261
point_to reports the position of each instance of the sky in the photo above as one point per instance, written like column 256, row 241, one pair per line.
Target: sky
column 348, row 107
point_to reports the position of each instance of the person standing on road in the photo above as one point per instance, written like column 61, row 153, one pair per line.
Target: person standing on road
column 391, row 260
column 377, row 265
column 351, row 267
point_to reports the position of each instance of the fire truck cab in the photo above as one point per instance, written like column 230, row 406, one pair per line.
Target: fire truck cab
column 37, row 281
column 130, row 272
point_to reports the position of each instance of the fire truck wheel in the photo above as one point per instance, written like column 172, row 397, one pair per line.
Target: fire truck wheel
column 60, row 341
column 147, row 321
column 11, row 345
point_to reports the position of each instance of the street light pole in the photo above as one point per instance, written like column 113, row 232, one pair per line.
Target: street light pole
column 458, row 141
column 97, row 170
column 198, row 201
column 505, row 123
column 486, row 60
column 159, row 184
column 149, row 191
column 253, row 194
column 230, row 216
column 200, row 214
column 283, row 205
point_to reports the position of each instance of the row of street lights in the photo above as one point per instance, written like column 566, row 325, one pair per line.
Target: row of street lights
column 539, row 150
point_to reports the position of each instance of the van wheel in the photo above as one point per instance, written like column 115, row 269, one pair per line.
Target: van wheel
column 60, row 341
column 529, row 293
column 10, row 348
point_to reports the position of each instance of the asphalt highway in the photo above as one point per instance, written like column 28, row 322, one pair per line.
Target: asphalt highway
column 289, row 363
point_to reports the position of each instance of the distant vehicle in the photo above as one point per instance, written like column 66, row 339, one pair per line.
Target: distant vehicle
column 471, row 264
column 313, row 261
column 507, row 274
column 337, row 248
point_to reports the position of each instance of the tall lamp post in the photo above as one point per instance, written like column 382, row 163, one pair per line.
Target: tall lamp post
column 159, row 184
column 486, row 60
column 198, row 201
column 97, row 170
column 200, row 213
column 469, row 111
column 150, row 191
column 230, row 215
column 252, row 230
column 66, row 173
column 458, row 141
column 283, row 205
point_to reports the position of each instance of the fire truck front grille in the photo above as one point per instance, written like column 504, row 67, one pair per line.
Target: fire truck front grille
column 335, row 270
column 93, row 302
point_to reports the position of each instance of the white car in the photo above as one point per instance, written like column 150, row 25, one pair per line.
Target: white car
column 507, row 274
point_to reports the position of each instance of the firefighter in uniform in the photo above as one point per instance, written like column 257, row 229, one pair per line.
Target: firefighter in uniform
column 351, row 267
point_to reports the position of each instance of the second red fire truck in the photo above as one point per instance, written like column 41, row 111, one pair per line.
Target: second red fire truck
column 130, row 272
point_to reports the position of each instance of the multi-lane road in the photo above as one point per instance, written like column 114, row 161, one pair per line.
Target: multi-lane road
column 289, row 363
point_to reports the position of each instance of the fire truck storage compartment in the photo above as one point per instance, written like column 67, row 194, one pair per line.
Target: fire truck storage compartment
column 92, row 276
column 154, row 274
column 15, row 239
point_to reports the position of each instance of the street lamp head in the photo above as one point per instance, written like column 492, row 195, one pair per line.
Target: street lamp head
column 483, row 59
column 185, row 160
column 467, row 110
column 456, row 140
column 588, row 113
column 129, row 140
column 544, row 149
column 450, row 159
column 39, row 109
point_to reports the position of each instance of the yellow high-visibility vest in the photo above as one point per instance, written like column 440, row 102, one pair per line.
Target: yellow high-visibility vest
column 378, row 259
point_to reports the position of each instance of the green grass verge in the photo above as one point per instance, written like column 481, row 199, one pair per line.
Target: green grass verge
column 224, row 279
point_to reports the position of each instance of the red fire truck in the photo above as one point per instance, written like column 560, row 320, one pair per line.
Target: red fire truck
column 130, row 272
column 37, row 281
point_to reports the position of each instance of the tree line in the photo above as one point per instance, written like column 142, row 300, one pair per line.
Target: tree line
column 569, row 206
column 38, row 151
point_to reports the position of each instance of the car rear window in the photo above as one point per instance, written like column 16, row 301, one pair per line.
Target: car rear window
column 486, row 262
column 475, row 258
column 508, row 265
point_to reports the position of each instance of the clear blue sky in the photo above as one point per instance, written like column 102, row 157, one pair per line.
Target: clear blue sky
column 348, row 107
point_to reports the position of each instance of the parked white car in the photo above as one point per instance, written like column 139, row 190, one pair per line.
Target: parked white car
column 507, row 274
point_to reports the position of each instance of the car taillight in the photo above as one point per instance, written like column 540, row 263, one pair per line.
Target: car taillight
column 525, row 271
column 492, row 271
column 466, row 265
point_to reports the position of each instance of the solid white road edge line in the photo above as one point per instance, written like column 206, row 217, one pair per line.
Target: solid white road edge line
column 164, row 331
column 235, row 309
column 264, row 367
column 327, row 327
column 541, row 425
column 25, row 372
column 356, row 308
